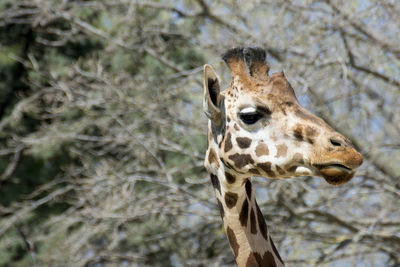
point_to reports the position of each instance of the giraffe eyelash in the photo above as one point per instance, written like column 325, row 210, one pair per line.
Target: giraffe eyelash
column 248, row 110
column 251, row 115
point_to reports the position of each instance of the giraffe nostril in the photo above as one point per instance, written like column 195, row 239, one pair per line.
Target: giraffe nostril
column 336, row 142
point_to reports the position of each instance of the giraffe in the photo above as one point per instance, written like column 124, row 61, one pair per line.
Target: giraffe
column 258, row 128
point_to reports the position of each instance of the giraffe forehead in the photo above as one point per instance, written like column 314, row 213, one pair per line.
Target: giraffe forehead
column 284, row 110
column 276, row 85
column 247, row 102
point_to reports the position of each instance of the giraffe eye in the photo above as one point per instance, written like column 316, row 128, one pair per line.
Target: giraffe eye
column 250, row 117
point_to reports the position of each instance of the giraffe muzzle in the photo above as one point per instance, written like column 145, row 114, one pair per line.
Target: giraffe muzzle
column 334, row 166
column 336, row 173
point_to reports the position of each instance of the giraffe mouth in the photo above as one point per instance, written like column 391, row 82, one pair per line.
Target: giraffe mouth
column 336, row 166
column 335, row 173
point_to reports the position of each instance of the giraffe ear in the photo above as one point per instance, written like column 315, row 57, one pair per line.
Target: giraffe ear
column 212, row 98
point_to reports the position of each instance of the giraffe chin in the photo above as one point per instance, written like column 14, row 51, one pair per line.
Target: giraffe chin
column 336, row 174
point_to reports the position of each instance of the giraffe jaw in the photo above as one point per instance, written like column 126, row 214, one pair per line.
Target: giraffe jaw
column 335, row 173
column 336, row 166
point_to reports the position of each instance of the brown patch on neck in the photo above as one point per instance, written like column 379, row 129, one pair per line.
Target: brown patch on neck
column 261, row 150
column 241, row 160
column 230, row 178
column 244, row 213
column 243, row 142
column 266, row 167
column 215, row 182
column 230, row 199
column 213, row 158
column 221, row 209
column 254, row 171
column 232, row 241
column 252, row 261
column 248, row 189
column 267, row 259
column 276, row 251
column 226, row 164
column 253, row 222
column 280, row 170
column 261, row 223
column 281, row 150
column 228, row 143
column 256, row 260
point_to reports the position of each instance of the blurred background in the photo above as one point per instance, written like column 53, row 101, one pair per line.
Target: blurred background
column 102, row 135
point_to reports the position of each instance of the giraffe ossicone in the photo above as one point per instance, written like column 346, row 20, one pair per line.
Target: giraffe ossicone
column 258, row 128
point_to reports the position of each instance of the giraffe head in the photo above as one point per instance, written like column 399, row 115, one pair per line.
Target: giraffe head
column 259, row 128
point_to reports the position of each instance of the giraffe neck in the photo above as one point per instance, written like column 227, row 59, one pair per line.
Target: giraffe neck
column 245, row 225
column 243, row 221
